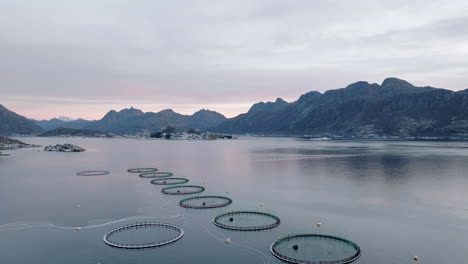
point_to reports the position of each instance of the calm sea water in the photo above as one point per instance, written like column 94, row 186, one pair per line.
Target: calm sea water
column 394, row 199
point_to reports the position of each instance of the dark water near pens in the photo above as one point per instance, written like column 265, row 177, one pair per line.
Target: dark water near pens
column 394, row 199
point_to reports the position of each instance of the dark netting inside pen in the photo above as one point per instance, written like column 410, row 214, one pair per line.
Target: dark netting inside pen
column 142, row 170
column 246, row 220
column 159, row 174
column 205, row 202
column 183, row 190
column 315, row 249
column 169, row 181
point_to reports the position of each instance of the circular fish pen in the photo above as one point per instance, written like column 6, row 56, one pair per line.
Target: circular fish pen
column 179, row 233
column 169, row 181
column 183, row 190
column 315, row 249
column 246, row 221
column 142, row 170
column 205, row 202
column 159, row 174
column 92, row 173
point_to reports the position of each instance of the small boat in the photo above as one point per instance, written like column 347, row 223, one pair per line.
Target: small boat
column 4, row 154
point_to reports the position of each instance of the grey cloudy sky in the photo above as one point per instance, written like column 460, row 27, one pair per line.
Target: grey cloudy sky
column 82, row 58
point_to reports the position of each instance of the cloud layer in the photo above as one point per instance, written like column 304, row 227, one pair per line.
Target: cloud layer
column 80, row 58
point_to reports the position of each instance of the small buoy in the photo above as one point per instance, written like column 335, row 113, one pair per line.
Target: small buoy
column 295, row 247
column 203, row 203
column 319, row 224
column 415, row 258
column 228, row 240
column 78, row 228
column 77, row 206
column 231, row 219
column 261, row 204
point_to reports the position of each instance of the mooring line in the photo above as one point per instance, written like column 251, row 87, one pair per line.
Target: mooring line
column 255, row 251
column 20, row 226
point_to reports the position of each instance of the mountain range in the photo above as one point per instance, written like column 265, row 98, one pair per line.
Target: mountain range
column 60, row 122
column 135, row 121
column 394, row 108
column 126, row 121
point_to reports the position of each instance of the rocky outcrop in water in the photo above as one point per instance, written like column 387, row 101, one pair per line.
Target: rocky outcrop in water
column 10, row 143
column 64, row 148
column 190, row 134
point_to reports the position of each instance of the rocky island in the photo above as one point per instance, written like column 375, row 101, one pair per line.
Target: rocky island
column 64, row 148
column 72, row 132
column 191, row 134
column 10, row 143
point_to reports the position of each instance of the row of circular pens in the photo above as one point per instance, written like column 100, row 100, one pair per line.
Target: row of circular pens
column 300, row 248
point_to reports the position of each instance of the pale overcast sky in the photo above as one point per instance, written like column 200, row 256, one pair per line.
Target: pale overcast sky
column 83, row 58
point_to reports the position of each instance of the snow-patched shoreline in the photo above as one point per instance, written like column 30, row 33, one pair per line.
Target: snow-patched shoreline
column 190, row 136
column 64, row 148
column 10, row 143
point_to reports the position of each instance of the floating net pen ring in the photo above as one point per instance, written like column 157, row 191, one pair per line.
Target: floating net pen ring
column 92, row 173
column 205, row 202
column 169, row 181
column 242, row 221
column 108, row 241
column 159, row 174
column 183, row 190
column 315, row 249
column 142, row 170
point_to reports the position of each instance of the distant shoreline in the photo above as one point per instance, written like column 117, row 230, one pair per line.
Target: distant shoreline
column 331, row 138
column 238, row 136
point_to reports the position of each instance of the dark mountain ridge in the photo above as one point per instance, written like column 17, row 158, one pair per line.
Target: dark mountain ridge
column 12, row 123
column 395, row 108
column 56, row 123
column 135, row 121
